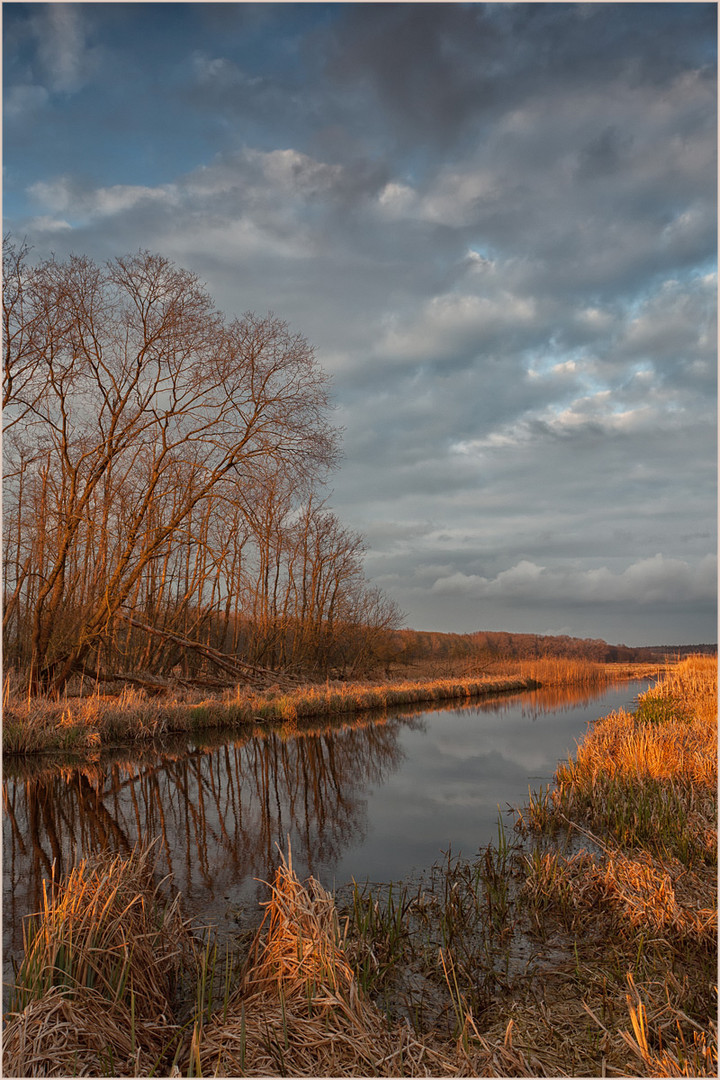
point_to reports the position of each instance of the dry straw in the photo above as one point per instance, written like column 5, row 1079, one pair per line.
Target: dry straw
column 80, row 1034
column 96, row 986
column 85, row 724
column 300, row 1012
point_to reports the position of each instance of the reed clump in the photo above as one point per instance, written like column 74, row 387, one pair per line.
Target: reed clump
column 82, row 1035
column 98, row 985
column 299, row 1010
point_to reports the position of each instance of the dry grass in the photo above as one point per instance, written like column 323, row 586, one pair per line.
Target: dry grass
column 105, row 928
column 95, row 994
column 97, row 985
column 678, row 1056
column 540, row 958
column 649, row 779
column 586, row 925
column 300, row 1012
column 638, row 905
column 84, row 724
column 80, row 1035
column 561, row 671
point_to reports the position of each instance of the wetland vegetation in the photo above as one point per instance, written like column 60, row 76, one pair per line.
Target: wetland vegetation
column 83, row 722
column 581, row 941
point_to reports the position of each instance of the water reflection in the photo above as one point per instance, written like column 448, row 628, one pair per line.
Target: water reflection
column 220, row 807
column 564, row 699
column 218, row 811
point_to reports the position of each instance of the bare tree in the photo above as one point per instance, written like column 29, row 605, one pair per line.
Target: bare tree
column 144, row 408
column 165, row 462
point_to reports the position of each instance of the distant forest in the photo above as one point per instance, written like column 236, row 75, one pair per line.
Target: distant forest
column 418, row 646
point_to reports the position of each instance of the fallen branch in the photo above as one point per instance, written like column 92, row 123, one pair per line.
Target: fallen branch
column 238, row 668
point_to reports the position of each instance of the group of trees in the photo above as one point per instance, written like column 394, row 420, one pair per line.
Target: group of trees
column 166, row 464
column 486, row 647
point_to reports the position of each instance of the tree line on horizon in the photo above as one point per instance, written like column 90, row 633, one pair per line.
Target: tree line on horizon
column 164, row 475
column 488, row 646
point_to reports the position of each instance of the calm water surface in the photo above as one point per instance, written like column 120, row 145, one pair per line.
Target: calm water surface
column 373, row 798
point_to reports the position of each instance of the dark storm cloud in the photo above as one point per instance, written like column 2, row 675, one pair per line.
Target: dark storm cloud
column 496, row 223
column 441, row 71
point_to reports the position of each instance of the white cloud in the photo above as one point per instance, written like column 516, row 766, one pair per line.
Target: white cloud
column 657, row 580
column 67, row 59
column 454, row 198
column 232, row 240
column 678, row 319
column 64, row 195
column 452, row 322
column 292, row 172
column 54, row 194
column 122, row 197
column 219, row 73
column 398, row 200
column 451, row 199
column 47, row 224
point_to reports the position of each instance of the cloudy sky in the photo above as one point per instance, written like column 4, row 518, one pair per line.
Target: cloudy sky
column 495, row 222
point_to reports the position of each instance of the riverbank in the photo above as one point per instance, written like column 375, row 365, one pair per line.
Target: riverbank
column 581, row 943
column 86, row 723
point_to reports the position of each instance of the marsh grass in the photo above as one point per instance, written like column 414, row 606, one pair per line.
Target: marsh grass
column 584, row 943
column 420, row 952
column 636, row 906
column 300, row 1010
column 680, row 1055
column 85, row 724
column 103, row 929
column 563, row 671
column 297, row 1008
column 649, row 778
column 593, row 940
column 100, row 975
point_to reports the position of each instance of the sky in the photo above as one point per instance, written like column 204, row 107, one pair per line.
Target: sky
column 496, row 223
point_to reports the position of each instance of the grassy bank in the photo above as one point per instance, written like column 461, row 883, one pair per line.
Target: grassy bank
column 631, row 906
column 91, row 722
column 588, row 941
column 581, row 943
column 87, row 723
column 89, row 1003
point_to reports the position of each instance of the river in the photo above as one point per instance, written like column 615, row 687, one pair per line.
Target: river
column 378, row 797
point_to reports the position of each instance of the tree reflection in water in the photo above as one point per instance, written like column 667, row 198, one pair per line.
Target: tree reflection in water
column 218, row 811
column 218, row 807
column 558, row 699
